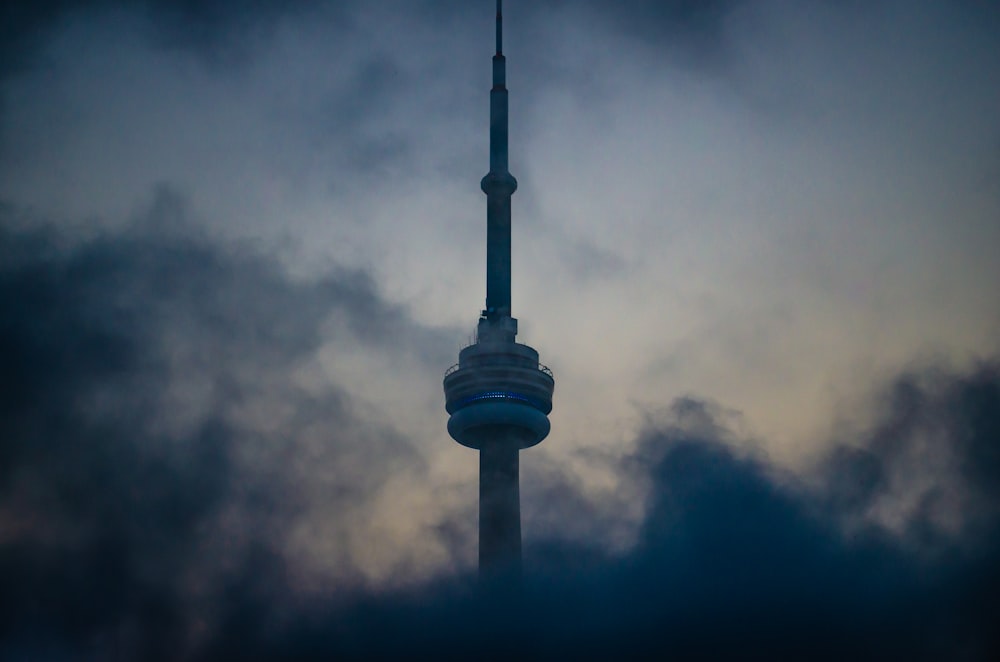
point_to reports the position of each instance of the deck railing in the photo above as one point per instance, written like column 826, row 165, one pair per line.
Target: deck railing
column 541, row 367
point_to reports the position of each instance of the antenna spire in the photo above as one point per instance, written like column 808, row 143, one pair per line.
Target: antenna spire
column 499, row 27
column 498, row 185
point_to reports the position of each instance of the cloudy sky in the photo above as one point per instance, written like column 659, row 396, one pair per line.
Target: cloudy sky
column 756, row 240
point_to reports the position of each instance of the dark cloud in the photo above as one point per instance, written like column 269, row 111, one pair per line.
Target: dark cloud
column 156, row 446
column 133, row 523
column 694, row 28
column 226, row 33
column 735, row 559
column 935, row 450
column 23, row 25
column 222, row 32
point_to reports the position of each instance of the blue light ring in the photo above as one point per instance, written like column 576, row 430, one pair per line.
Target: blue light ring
column 499, row 395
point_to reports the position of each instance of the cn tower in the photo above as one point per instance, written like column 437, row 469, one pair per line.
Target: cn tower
column 498, row 394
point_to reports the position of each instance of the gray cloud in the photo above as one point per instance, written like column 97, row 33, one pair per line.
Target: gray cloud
column 735, row 558
column 222, row 33
column 161, row 435
column 770, row 203
column 927, row 468
column 160, row 450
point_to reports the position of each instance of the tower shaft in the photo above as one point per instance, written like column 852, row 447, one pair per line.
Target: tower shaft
column 499, row 508
column 499, row 488
column 499, row 395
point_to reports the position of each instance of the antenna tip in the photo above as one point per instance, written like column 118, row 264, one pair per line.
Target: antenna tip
column 499, row 28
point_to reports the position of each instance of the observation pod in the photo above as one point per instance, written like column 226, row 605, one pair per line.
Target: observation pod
column 498, row 393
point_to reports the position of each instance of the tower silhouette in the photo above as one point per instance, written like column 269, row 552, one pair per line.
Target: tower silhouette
column 498, row 394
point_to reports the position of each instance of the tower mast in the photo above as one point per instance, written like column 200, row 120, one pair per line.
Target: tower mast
column 498, row 185
column 498, row 394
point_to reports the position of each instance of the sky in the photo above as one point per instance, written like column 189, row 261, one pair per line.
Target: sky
column 755, row 240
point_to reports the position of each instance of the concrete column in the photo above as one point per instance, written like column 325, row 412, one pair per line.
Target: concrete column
column 499, row 511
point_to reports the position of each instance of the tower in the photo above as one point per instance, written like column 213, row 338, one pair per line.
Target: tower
column 498, row 394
